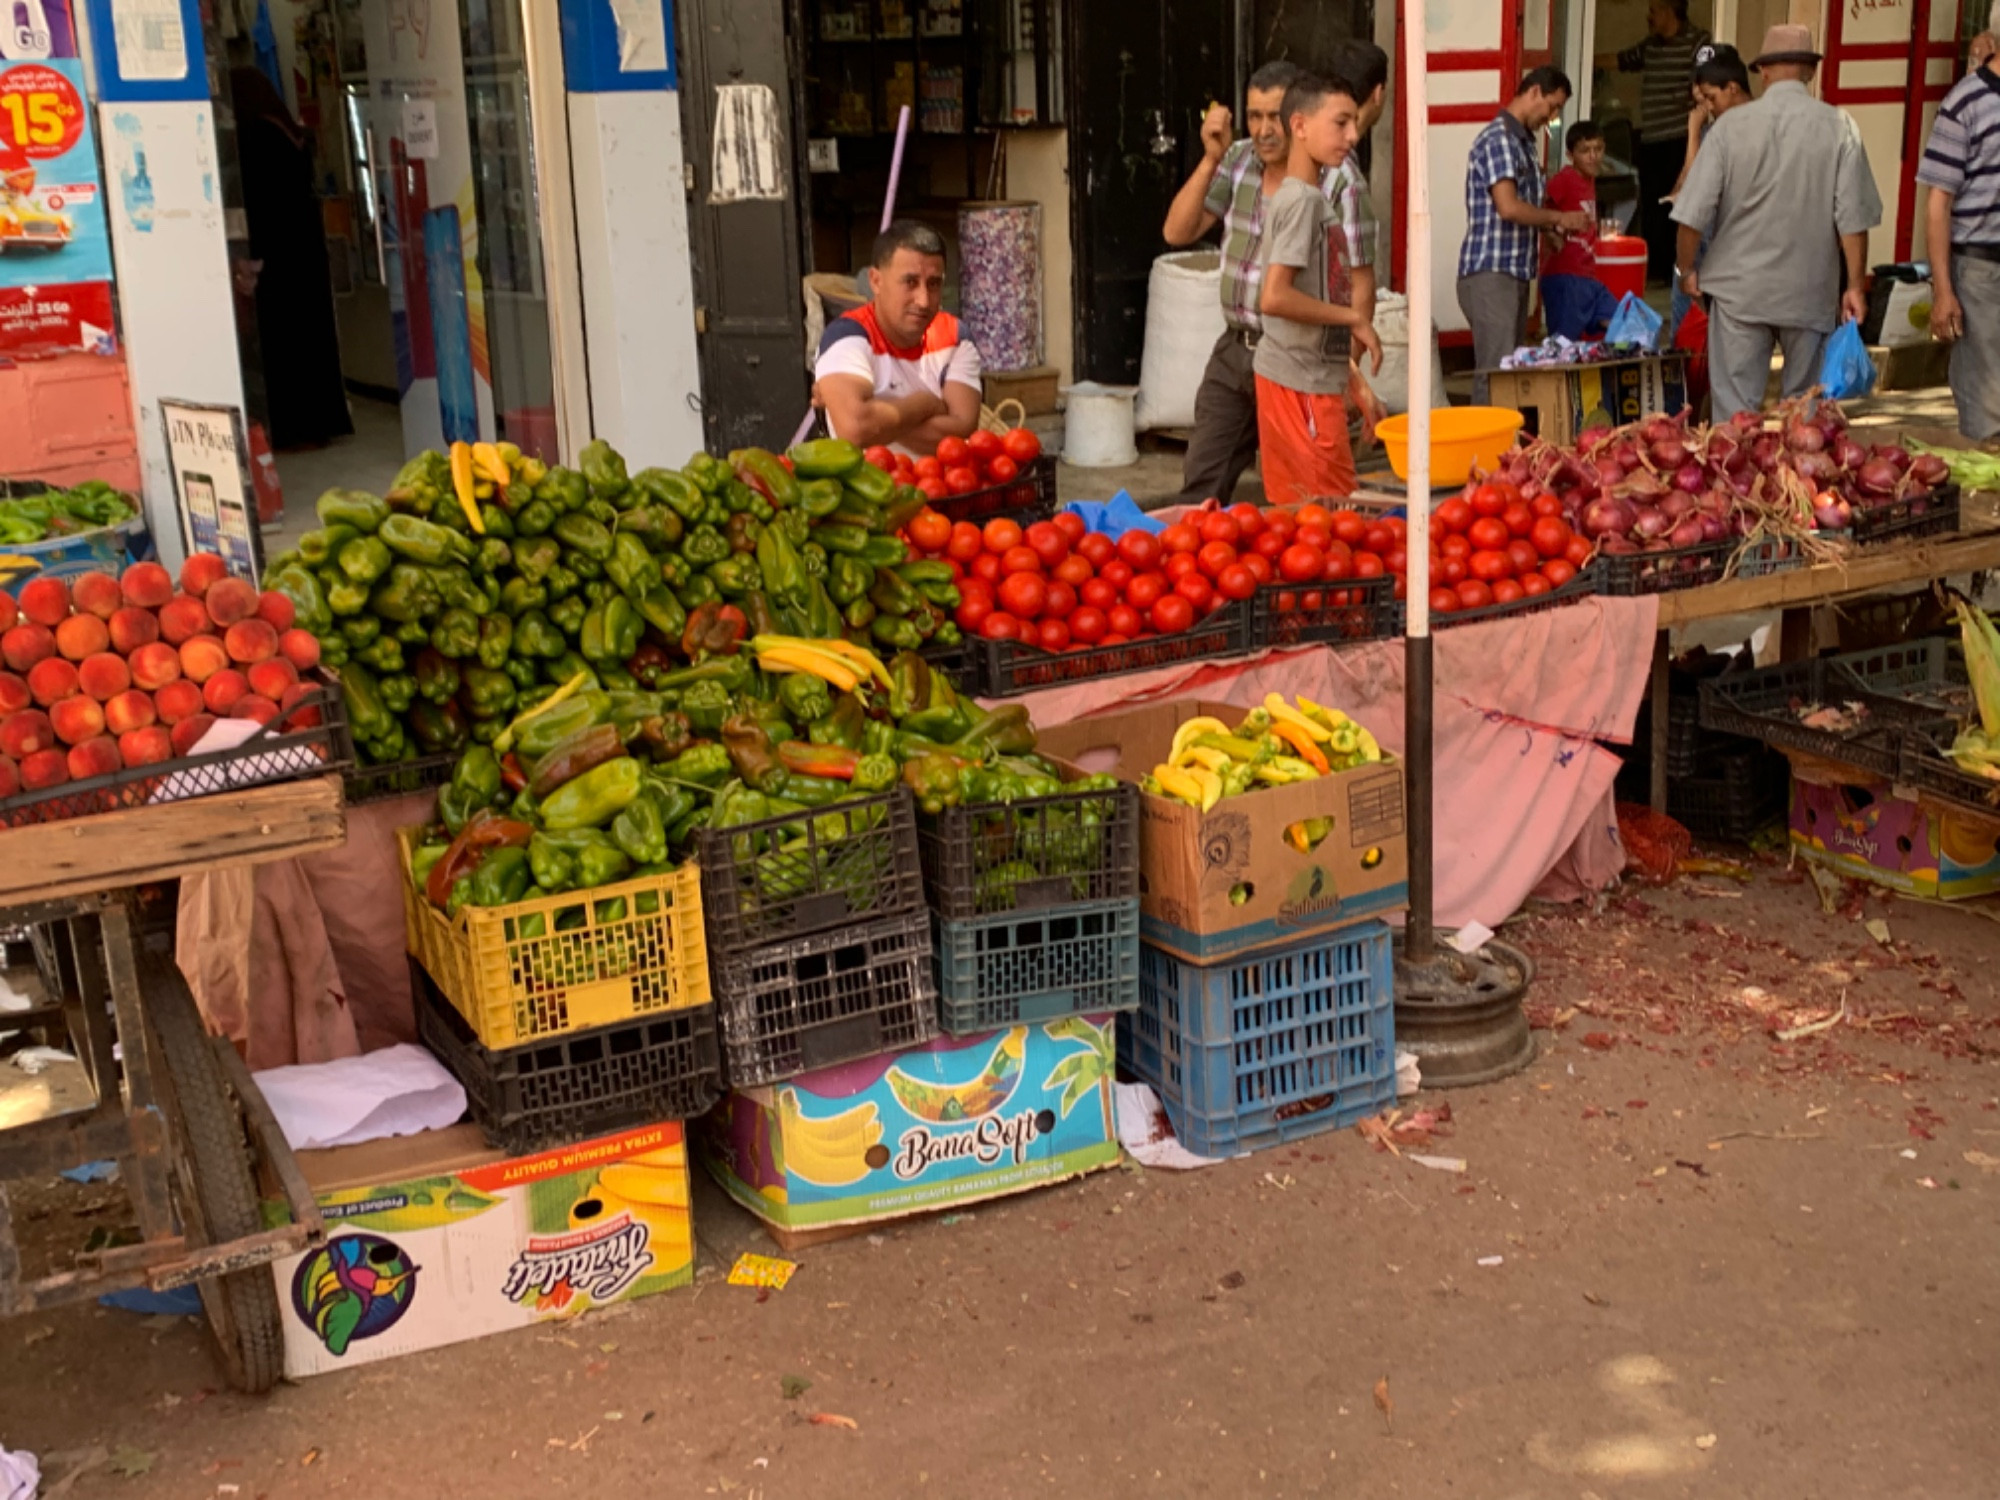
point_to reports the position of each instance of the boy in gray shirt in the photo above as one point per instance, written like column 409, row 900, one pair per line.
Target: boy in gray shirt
column 1310, row 329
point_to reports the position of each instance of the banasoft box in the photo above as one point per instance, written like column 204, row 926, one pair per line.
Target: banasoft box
column 1228, row 881
column 1863, row 829
column 435, row 1238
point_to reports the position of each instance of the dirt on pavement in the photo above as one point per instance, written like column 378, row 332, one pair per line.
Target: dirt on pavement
column 1685, row 1258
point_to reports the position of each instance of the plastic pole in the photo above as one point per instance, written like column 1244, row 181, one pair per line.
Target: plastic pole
column 1417, row 738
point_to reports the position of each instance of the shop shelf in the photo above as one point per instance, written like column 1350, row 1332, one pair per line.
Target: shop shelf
column 1024, row 967
column 1760, row 705
column 1692, row 567
column 1005, row 669
column 1281, row 1044
column 1046, row 851
column 1360, row 609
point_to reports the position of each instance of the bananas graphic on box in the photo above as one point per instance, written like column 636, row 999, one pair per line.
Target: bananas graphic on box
column 832, row 1152
column 951, row 1104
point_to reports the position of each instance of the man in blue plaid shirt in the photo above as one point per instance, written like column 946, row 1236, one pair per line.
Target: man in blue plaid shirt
column 1504, row 217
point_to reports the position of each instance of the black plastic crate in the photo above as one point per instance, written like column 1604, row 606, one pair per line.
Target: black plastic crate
column 397, row 778
column 272, row 754
column 954, row 660
column 569, row 1088
column 1906, row 520
column 805, row 872
column 1759, row 705
column 1929, row 672
column 1579, row 587
column 829, row 998
column 1004, row 669
column 1680, row 568
column 1691, row 749
column 1743, row 794
column 1025, row 967
column 1028, row 497
column 1926, row 767
column 1355, row 609
column 1046, row 851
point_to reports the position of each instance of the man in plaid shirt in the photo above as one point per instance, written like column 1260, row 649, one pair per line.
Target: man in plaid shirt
column 1232, row 186
column 1503, row 217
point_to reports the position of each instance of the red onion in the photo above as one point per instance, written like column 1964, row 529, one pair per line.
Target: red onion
column 1930, row 470
column 1676, row 504
column 1658, row 430
column 1614, row 545
column 1690, row 479
column 1607, row 516
column 1626, row 457
column 1891, row 454
column 1803, row 437
column 1920, row 502
column 1815, row 467
column 1832, row 514
column 1590, row 437
column 1669, row 453
column 1849, row 454
column 1713, row 527
column 1688, row 533
column 1878, row 476
column 1764, row 452
column 1651, row 522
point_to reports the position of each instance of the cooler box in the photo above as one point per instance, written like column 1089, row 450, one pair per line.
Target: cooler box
column 1621, row 264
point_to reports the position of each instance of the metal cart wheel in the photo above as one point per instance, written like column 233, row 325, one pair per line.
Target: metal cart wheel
column 217, row 1190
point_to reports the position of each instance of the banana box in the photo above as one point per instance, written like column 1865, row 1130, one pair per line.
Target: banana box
column 962, row 1119
column 1862, row 829
column 434, row 1238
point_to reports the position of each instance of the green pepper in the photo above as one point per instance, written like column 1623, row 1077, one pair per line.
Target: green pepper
column 851, row 540
column 344, row 597
column 384, row 654
column 561, row 581
column 564, row 489
column 585, row 536
column 594, row 798
column 518, row 596
column 677, row 492
column 922, row 572
column 571, row 664
column 825, row 458
column 893, row 596
column 334, row 652
column 422, row 859
column 308, row 598
column 366, row 713
column 871, row 484
column 487, row 694
column 356, row 508
column 535, row 635
column 842, row 727
column 399, row 691
column 704, row 545
column 603, row 469
column 885, row 552
column 456, row 634
column 439, row 727
column 360, row 630
column 437, row 675
column 704, row 765
column 534, row 519
column 820, row 497
column 412, row 633
column 522, row 672
column 805, row 697
column 318, row 548
column 735, row 576
column 424, row 542
column 706, row 705
column 493, row 556
column 934, row 781
column 496, row 641
column 545, row 731
column 849, row 579
column 663, row 736
column 534, row 556
column 661, row 610
column 641, row 829
column 406, row 593
column 782, row 569
column 742, row 534
column 478, row 776
column 458, row 589
column 567, row 614
column 1003, row 731
column 943, row 595
column 656, row 525
column 763, row 473
column 631, row 567
column 890, row 630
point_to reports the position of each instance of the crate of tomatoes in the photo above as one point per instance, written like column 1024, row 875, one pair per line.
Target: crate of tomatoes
column 981, row 477
column 1494, row 552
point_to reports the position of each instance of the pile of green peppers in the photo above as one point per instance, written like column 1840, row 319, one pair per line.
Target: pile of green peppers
column 91, row 506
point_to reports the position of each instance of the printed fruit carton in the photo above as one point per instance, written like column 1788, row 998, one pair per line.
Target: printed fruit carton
column 1864, row 830
column 962, row 1119
column 435, row 1238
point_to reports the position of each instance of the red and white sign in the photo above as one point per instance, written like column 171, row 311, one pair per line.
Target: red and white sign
column 37, row 320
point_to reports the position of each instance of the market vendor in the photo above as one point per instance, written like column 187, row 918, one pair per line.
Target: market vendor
column 1961, row 167
column 897, row 371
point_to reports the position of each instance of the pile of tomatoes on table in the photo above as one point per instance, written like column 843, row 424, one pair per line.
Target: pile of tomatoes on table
column 963, row 466
column 1490, row 546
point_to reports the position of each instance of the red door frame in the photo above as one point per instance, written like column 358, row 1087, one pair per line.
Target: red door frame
column 1916, row 92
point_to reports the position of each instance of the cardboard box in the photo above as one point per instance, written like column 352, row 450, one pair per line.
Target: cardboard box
column 434, row 1238
column 1217, row 884
column 1864, row 830
column 963, row 1119
column 1561, row 401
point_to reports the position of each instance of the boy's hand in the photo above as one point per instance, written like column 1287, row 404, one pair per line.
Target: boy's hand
column 1364, row 335
column 1366, row 404
column 1574, row 221
column 1216, row 131
column 1698, row 119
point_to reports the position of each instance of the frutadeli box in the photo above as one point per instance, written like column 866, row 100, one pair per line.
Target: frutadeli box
column 1864, row 830
column 963, row 1119
column 436, row 1237
column 1216, row 884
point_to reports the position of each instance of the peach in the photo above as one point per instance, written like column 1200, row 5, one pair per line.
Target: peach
column 187, row 734
column 14, row 693
column 24, row 645
column 10, row 777
column 146, row 585
column 44, row 768
column 201, row 571
column 9, row 611
column 145, row 747
column 304, row 718
column 24, row 732
column 255, row 706
column 52, row 680
column 251, row 640
column 128, row 711
column 77, row 719
column 182, row 618
column 104, row 676
column 82, row 635
column 97, row 756
column 154, row 666
column 271, row 678
column 300, row 648
column 45, row 601
column 96, row 594
column 276, row 610
column 177, row 700
column 132, row 628
column 222, row 691
column 203, row 657
column 230, row 600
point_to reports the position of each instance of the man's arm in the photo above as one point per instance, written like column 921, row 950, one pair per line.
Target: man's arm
column 1280, row 297
column 958, row 419
column 1947, row 317
column 1854, row 301
column 1361, row 279
column 1687, row 245
column 865, row 419
column 1510, row 206
column 1190, row 215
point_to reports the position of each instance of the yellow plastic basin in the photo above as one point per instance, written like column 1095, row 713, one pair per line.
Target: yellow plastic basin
column 1461, row 436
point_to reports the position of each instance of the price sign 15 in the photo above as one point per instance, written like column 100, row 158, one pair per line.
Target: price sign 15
column 41, row 115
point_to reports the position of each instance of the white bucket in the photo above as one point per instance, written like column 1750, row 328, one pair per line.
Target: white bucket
column 1099, row 425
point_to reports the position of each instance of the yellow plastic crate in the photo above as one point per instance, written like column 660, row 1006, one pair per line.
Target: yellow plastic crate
column 513, row 990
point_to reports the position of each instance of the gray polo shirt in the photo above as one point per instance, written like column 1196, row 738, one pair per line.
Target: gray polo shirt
column 1777, row 182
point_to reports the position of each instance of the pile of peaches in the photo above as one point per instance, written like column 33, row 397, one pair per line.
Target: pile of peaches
column 106, row 674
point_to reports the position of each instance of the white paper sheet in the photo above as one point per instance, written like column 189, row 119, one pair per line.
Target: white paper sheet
column 20, row 1475
column 1144, row 1131
column 396, row 1091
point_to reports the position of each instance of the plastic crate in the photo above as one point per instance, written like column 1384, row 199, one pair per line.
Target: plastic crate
column 1285, row 1043
column 1901, row 521
column 1758, row 705
column 398, row 778
column 1023, row 967
column 1925, row 766
column 1360, row 609
column 1692, row 567
column 1003, row 669
column 271, row 754
column 827, row 998
column 1929, row 672
column 1691, row 749
column 1579, row 587
column 848, row 863
column 1745, row 793
column 566, row 1089
column 517, row 974
column 952, row 659
column 1029, row 496
column 980, row 861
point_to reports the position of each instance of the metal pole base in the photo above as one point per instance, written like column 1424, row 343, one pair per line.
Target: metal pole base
column 1462, row 1015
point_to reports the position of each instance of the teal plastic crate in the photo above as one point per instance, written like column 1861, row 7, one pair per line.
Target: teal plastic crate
column 1024, row 967
column 1265, row 1049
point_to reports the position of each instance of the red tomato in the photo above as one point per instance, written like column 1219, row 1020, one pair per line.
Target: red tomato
column 966, row 542
column 1550, row 537
column 1072, row 527
column 1339, row 565
column 1096, row 546
column 1000, row 534
column 1453, row 516
column 982, row 445
column 1523, row 556
column 1558, row 571
column 1281, row 521
column 1074, row 571
column 1180, row 564
column 962, row 480
column 1507, row 591
column 1249, row 520
column 1533, row 584
column 1088, row 626
column 975, row 588
column 1181, row 537
column 1444, row 601
column 1002, row 470
column 934, row 489
column 1258, row 566
column 1472, row 594
column 1023, row 594
column 1300, row 562
column 1397, row 559
column 1124, row 621
column 1313, row 599
column 1022, row 446
column 1314, row 514
column 1048, row 542
column 1546, row 504
column 1055, row 635
column 972, row 614
column 1451, row 570
column 1171, row 614
column 1368, row 565
column 1349, row 527
column 1141, row 549
column 880, row 456
column 1489, row 534
column 1398, row 527
column 1376, row 539
column 1020, row 560
column 1114, row 640
column 1236, row 582
column 986, row 566
column 1493, row 497
column 1269, row 544
column 1518, row 519
column 1197, row 590
column 1455, row 546
column 1214, row 557
column 1220, row 526
column 1319, row 538
column 929, row 468
column 951, row 452
column 1118, row 573
column 1060, row 603
column 1098, row 594
column 1578, row 552
column 1000, row 627
column 1486, row 566
column 1144, row 591
column 930, row 531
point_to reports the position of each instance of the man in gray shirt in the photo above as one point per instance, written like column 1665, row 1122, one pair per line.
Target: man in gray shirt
column 1783, row 188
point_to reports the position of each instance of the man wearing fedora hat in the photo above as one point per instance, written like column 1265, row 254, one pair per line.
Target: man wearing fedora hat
column 1783, row 189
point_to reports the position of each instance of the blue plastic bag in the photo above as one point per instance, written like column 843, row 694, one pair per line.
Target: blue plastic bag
column 1634, row 323
column 1116, row 516
column 1846, row 370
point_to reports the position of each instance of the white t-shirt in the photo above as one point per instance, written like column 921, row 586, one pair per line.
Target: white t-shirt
column 854, row 344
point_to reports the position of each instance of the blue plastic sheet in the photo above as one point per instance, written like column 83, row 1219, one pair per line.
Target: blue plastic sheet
column 1116, row 516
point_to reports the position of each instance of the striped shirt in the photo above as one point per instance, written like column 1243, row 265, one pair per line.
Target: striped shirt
column 854, row 344
column 1236, row 197
column 1665, row 94
column 1962, row 158
column 1503, row 152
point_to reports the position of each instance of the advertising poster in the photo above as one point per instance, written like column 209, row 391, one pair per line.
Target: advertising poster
column 210, row 464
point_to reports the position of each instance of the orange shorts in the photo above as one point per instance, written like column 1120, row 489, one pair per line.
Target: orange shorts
column 1305, row 453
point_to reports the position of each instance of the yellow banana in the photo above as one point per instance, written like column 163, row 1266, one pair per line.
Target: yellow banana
column 1189, row 731
column 1284, row 713
column 832, row 1152
column 486, row 460
column 1179, row 784
column 666, row 1188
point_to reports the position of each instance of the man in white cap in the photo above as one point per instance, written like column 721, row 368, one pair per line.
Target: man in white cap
column 1783, row 189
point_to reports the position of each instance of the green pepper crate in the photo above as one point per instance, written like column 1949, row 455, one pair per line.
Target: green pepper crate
column 1043, row 851
column 1025, row 967
column 514, row 988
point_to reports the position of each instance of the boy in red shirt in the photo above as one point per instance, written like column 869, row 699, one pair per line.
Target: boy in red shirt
column 1575, row 304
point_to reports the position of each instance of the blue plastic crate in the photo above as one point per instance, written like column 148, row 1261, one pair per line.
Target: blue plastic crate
column 1022, row 967
column 1285, row 1043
